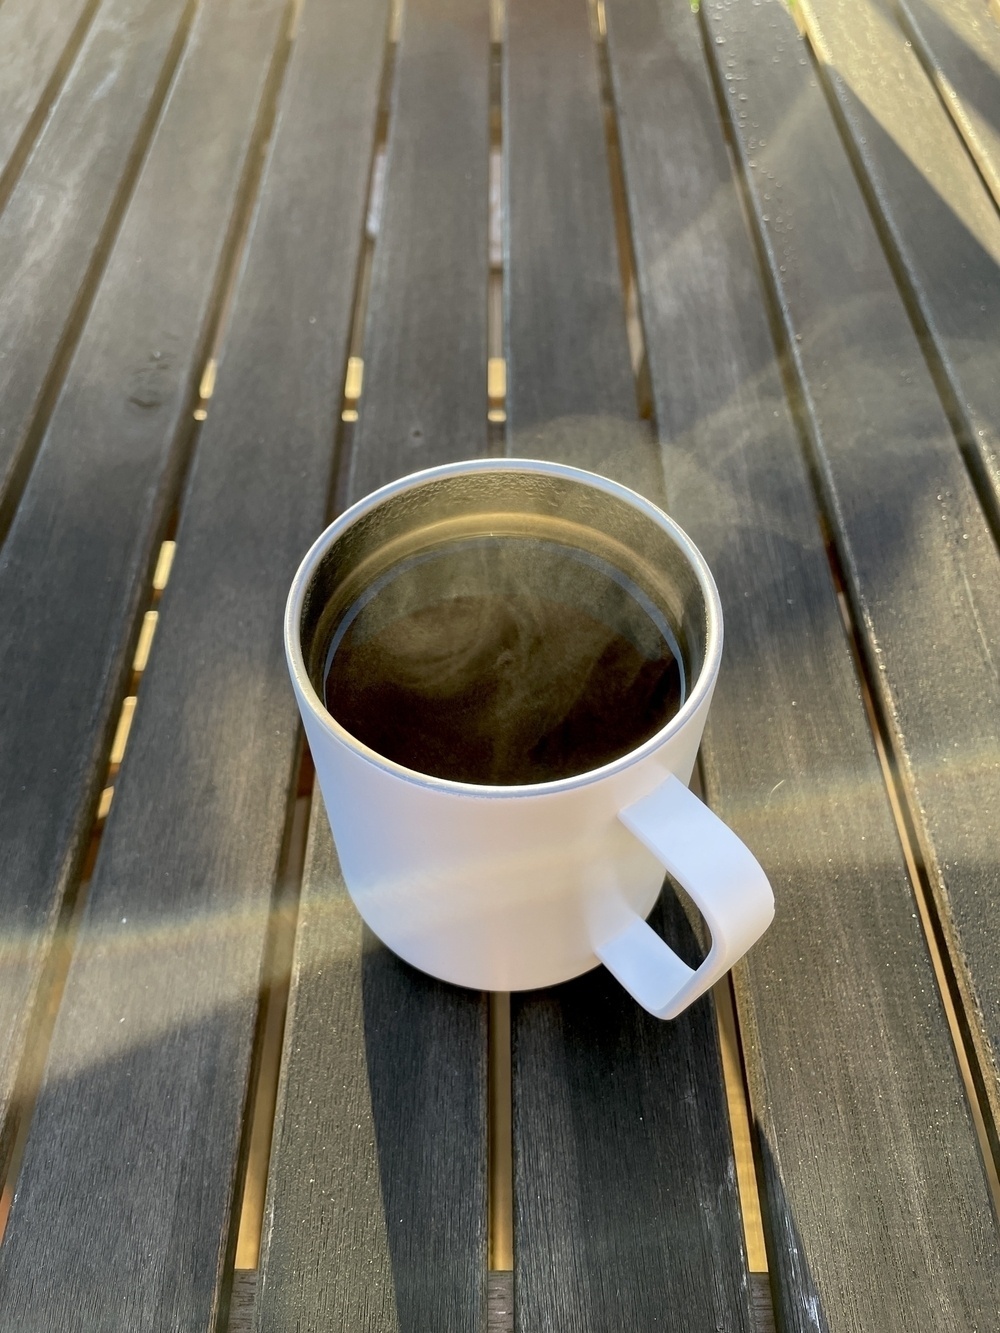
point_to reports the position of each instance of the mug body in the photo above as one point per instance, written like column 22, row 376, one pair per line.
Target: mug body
column 499, row 887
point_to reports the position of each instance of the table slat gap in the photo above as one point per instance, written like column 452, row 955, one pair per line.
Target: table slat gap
column 230, row 265
column 242, row 1251
column 275, row 984
column 164, row 564
column 623, row 229
column 738, row 1101
column 501, row 1165
column 145, row 645
column 496, row 361
column 412, row 237
column 354, row 372
column 353, row 384
column 14, row 1131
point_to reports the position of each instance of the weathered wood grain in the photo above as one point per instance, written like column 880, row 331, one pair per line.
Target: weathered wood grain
column 424, row 398
column 243, row 1301
column 75, row 567
column 377, row 1192
column 147, row 1078
column 959, row 41
column 62, row 217
column 863, row 1127
column 38, row 41
column 760, row 1293
column 916, row 549
column 938, row 217
column 570, row 388
column 625, row 1206
column 500, row 1302
column 626, row 1210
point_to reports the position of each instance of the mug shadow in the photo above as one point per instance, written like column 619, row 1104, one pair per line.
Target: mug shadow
column 625, row 1205
column 795, row 1298
column 624, row 1166
column 425, row 1046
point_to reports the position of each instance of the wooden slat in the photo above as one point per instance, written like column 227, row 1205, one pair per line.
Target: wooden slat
column 571, row 392
column 75, row 567
column 38, row 40
column 500, row 1301
column 626, row 1211
column 916, row 549
column 424, row 398
column 940, row 219
column 64, row 210
column 876, row 1207
column 148, row 1069
column 959, row 40
column 377, row 1193
column 620, row 1124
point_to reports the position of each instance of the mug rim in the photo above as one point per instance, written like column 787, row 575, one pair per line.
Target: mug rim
column 699, row 693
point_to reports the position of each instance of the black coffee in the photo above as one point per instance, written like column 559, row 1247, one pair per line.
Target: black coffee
column 503, row 661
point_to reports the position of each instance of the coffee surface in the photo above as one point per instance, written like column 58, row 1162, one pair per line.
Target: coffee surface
column 503, row 661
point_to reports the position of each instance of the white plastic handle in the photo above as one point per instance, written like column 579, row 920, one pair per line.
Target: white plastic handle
column 723, row 880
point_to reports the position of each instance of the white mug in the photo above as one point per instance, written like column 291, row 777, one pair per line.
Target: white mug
column 516, row 887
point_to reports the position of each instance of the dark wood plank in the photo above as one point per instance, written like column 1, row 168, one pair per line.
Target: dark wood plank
column 243, row 1301
column 959, row 41
column 570, row 388
column 62, row 216
column 424, row 398
column 916, row 549
column 376, row 1215
column 876, row 1206
column 620, row 1125
column 377, row 1190
column 38, row 40
column 500, row 1301
column 147, row 1076
column 74, row 571
column 760, row 1295
column 940, row 219
column 625, row 1204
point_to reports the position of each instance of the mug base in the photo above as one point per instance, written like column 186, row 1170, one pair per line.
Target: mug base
column 498, row 979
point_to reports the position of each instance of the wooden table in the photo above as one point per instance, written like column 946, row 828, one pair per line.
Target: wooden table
column 749, row 269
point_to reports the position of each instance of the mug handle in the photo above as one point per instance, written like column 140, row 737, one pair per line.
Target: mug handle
column 723, row 880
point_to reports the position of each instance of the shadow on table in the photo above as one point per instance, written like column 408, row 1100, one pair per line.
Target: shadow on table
column 626, row 1206
column 627, row 1213
column 426, row 1048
